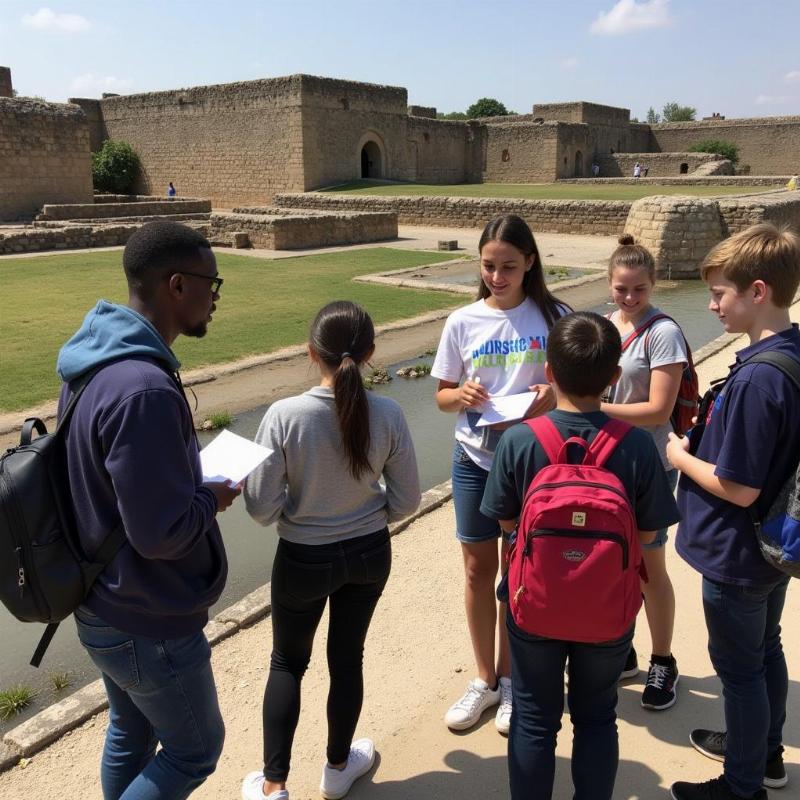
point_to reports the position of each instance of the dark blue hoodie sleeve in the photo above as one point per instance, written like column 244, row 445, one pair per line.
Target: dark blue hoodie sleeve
column 152, row 459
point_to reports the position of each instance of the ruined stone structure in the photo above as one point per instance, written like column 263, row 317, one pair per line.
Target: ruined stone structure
column 6, row 89
column 44, row 156
column 242, row 143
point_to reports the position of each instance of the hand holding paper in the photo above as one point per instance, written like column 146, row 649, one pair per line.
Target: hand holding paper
column 508, row 408
column 231, row 458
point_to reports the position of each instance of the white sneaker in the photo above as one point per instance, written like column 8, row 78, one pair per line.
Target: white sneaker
column 336, row 783
column 502, row 720
column 467, row 711
column 253, row 788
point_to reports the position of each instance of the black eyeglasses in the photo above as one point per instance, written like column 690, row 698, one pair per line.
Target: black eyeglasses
column 216, row 281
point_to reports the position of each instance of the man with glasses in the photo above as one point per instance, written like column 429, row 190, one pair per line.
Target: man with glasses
column 133, row 461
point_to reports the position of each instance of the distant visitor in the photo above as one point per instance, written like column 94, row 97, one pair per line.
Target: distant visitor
column 171, row 190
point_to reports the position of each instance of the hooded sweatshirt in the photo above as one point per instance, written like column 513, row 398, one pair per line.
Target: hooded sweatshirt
column 133, row 458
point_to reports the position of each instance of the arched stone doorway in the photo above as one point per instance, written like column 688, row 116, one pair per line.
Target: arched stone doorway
column 578, row 164
column 371, row 160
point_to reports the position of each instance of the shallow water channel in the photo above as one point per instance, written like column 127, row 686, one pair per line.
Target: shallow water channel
column 251, row 547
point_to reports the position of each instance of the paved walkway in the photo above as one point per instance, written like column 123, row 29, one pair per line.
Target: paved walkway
column 418, row 661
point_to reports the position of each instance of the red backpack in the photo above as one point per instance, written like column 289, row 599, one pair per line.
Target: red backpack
column 687, row 402
column 574, row 571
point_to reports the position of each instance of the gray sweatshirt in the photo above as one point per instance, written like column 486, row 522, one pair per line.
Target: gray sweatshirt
column 306, row 485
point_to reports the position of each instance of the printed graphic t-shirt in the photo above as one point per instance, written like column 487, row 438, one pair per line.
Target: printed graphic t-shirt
column 659, row 345
column 506, row 349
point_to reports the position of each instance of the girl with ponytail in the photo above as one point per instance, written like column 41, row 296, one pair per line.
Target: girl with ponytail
column 330, row 448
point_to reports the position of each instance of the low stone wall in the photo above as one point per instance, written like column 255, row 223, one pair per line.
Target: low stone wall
column 680, row 230
column 550, row 216
column 124, row 209
column 620, row 165
column 297, row 231
column 38, row 238
column 739, row 213
column 690, row 180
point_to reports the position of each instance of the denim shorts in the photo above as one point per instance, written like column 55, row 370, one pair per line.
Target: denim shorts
column 661, row 535
column 469, row 481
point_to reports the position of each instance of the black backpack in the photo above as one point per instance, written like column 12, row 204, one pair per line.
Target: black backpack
column 44, row 573
column 778, row 530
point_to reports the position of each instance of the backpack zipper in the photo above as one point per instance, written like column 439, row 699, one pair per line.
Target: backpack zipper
column 578, row 483
column 611, row 537
column 21, row 546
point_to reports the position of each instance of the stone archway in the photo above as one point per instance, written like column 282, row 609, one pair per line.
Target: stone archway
column 371, row 160
column 578, row 164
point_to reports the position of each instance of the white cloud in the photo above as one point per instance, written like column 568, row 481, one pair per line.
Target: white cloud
column 773, row 99
column 628, row 16
column 793, row 76
column 46, row 19
column 94, row 84
column 569, row 63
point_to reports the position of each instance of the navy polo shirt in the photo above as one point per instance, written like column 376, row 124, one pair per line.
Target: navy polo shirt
column 753, row 437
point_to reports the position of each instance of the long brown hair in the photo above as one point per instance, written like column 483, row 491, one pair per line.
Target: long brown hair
column 515, row 231
column 343, row 335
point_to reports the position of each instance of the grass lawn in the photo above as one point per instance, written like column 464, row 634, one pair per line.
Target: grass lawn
column 265, row 305
column 540, row 191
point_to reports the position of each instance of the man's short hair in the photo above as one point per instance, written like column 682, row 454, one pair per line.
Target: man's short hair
column 583, row 351
column 157, row 248
column 764, row 252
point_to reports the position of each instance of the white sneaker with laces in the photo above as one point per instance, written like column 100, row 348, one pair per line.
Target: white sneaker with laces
column 465, row 712
column 336, row 783
column 502, row 720
column 253, row 788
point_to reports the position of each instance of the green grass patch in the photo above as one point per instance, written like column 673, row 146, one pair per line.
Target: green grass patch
column 540, row 191
column 14, row 700
column 265, row 304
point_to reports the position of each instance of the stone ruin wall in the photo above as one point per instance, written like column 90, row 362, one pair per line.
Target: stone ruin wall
column 232, row 143
column 520, row 153
column 44, row 156
column 620, row 165
column 550, row 216
column 768, row 145
column 6, row 88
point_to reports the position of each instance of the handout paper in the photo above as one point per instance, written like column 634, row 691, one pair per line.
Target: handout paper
column 230, row 457
column 507, row 408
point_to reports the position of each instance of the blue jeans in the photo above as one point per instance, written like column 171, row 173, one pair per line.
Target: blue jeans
column 537, row 685
column 744, row 642
column 469, row 483
column 159, row 691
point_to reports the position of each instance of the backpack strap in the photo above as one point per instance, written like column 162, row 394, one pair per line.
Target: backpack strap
column 547, row 434
column 636, row 332
column 606, row 441
column 785, row 363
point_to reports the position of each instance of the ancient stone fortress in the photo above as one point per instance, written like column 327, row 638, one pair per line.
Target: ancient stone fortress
column 248, row 144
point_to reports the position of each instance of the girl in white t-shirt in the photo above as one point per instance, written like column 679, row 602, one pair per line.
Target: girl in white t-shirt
column 495, row 346
column 652, row 364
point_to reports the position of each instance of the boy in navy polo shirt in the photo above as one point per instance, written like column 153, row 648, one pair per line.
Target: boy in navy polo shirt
column 748, row 449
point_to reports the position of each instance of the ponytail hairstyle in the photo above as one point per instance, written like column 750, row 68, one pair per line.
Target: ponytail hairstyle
column 515, row 231
column 343, row 336
column 632, row 256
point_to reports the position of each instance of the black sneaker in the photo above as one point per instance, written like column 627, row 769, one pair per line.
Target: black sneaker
column 662, row 678
column 631, row 666
column 713, row 744
column 716, row 789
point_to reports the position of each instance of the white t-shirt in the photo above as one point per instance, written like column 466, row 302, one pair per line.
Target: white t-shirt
column 506, row 349
column 658, row 346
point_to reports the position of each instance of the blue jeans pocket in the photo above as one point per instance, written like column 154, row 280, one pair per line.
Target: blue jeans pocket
column 118, row 662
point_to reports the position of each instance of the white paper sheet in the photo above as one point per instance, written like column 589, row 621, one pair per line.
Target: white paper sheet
column 230, row 457
column 508, row 408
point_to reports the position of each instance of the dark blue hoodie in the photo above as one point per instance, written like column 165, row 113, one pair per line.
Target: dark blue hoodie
column 133, row 456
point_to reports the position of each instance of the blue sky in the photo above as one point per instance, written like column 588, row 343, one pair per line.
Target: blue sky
column 734, row 57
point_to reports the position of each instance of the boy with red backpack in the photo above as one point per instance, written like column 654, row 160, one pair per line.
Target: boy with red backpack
column 582, row 490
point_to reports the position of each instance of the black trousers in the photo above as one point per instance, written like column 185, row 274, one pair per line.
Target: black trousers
column 352, row 575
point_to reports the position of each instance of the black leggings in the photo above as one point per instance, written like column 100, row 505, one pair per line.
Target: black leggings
column 352, row 574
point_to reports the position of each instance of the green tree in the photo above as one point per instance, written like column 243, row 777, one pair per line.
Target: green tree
column 719, row 146
column 452, row 115
column 672, row 112
column 114, row 167
column 653, row 117
column 487, row 107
